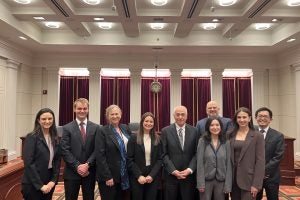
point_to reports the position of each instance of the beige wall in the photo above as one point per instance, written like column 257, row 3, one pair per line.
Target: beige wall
column 273, row 83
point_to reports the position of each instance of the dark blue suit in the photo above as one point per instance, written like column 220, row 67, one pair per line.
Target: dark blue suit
column 274, row 150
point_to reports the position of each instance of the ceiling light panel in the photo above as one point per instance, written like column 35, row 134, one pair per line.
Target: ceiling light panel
column 23, row 1
column 105, row 25
column 209, row 26
column 157, row 26
column 92, row 2
column 159, row 2
column 262, row 26
column 52, row 24
column 293, row 3
column 227, row 2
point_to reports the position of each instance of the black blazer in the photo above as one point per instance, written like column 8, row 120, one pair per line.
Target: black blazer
column 36, row 157
column 136, row 158
column 274, row 151
column 174, row 158
column 75, row 151
column 108, row 156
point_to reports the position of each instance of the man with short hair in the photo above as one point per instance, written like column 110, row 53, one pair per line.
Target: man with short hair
column 77, row 147
column 274, row 150
column 212, row 110
column 179, row 142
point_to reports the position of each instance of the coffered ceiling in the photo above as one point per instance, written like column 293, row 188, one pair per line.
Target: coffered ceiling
column 183, row 30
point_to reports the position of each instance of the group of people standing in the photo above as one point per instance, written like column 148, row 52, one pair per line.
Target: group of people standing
column 218, row 157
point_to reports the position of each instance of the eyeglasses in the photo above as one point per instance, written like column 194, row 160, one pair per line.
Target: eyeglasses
column 263, row 116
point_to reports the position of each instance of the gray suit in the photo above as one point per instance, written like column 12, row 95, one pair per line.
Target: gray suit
column 174, row 158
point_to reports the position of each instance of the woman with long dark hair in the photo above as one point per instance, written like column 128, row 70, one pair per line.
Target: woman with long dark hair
column 41, row 158
column 144, row 159
column 247, row 155
column 214, row 169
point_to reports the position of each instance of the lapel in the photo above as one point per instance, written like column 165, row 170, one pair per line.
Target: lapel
column 175, row 135
column 268, row 135
column 42, row 138
column 112, row 136
column 248, row 141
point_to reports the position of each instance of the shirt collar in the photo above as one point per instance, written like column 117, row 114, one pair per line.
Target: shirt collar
column 84, row 121
column 265, row 129
column 178, row 127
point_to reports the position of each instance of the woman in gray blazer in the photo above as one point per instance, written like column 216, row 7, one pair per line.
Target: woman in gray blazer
column 247, row 156
column 214, row 171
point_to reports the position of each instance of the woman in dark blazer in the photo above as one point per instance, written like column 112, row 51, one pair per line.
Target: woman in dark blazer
column 110, row 151
column 144, row 159
column 247, row 157
column 41, row 158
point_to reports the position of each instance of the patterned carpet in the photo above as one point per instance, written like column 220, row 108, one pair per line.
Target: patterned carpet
column 286, row 192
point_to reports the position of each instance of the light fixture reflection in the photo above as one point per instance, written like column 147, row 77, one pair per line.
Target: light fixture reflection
column 291, row 40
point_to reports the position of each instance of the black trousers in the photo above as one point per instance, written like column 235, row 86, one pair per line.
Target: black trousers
column 113, row 193
column 180, row 189
column 30, row 193
column 87, row 185
column 148, row 191
column 272, row 190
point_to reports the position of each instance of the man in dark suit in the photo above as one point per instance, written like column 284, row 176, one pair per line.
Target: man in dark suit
column 212, row 110
column 179, row 157
column 77, row 145
column 274, row 150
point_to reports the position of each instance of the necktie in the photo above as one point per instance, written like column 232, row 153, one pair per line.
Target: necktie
column 82, row 130
column 263, row 132
column 180, row 137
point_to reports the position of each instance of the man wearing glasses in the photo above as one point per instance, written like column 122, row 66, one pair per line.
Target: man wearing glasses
column 274, row 150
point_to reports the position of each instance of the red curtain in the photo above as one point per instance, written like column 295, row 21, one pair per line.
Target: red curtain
column 195, row 93
column 71, row 88
column 236, row 93
column 115, row 90
column 157, row 103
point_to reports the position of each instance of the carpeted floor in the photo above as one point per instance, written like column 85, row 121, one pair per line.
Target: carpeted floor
column 286, row 192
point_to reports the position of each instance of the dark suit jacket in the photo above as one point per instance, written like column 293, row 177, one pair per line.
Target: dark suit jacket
column 274, row 150
column 250, row 167
column 75, row 151
column 174, row 158
column 227, row 125
column 36, row 157
column 136, row 158
column 108, row 156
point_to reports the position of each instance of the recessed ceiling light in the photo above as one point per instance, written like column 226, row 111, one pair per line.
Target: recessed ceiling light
column 262, row 26
column 291, row 40
column 91, row 2
column 39, row 18
column 274, row 20
column 23, row 1
column 105, row 25
column 159, row 2
column 227, row 2
column 22, row 37
column 157, row 26
column 98, row 18
column 209, row 26
column 52, row 24
column 293, row 3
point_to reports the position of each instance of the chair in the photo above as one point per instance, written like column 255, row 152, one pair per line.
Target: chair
column 134, row 126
